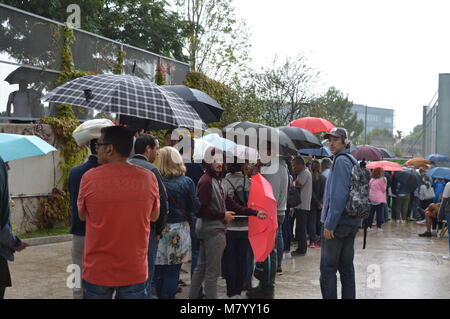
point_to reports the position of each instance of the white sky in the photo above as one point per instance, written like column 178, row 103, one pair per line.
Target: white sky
column 381, row 53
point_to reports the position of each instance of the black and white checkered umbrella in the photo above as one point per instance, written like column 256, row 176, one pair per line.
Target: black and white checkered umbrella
column 127, row 95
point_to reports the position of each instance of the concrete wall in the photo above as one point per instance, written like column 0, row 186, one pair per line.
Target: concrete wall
column 443, row 116
column 31, row 178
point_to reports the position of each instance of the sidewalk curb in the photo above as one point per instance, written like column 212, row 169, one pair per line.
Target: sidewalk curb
column 47, row 240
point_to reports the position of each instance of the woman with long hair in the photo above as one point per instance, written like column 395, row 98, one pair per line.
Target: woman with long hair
column 175, row 242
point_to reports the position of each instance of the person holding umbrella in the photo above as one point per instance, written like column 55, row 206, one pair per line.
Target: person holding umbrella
column 216, row 210
column 9, row 243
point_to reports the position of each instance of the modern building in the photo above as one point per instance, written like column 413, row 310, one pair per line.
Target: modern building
column 436, row 120
column 374, row 117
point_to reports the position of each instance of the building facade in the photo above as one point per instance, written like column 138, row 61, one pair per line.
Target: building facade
column 374, row 117
column 436, row 120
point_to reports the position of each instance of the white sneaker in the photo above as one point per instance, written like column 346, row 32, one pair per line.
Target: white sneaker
column 403, row 221
column 379, row 229
column 421, row 222
column 369, row 229
column 447, row 257
column 398, row 221
column 236, row 297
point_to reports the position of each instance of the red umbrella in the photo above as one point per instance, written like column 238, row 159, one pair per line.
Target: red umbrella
column 368, row 153
column 313, row 124
column 387, row 166
column 262, row 232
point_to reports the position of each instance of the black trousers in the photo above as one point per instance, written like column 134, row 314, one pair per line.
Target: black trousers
column 301, row 225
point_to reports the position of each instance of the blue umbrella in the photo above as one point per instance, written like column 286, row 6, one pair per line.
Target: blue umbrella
column 323, row 151
column 439, row 172
column 15, row 146
column 438, row 158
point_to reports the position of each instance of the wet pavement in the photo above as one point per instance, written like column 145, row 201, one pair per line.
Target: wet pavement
column 396, row 264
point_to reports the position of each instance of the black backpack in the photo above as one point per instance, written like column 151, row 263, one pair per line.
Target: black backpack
column 240, row 196
column 294, row 196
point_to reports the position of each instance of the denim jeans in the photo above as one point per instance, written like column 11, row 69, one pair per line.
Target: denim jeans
column 235, row 261
column 337, row 255
column 195, row 246
column 312, row 225
column 166, row 280
column 379, row 213
column 152, row 250
column 279, row 241
column 91, row 291
column 287, row 231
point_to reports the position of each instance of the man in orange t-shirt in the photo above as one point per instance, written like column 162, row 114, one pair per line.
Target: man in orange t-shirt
column 118, row 200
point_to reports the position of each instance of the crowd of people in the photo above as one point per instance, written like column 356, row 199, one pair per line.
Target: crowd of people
column 140, row 212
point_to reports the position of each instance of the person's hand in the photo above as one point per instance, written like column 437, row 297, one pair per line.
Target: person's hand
column 328, row 234
column 229, row 216
column 158, row 237
column 262, row 215
column 297, row 184
column 320, row 206
column 22, row 246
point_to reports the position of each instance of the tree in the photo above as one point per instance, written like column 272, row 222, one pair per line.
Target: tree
column 217, row 42
column 336, row 108
column 380, row 138
column 286, row 90
column 147, row 24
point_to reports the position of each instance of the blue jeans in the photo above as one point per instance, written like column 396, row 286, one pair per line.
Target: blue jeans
column 235, row 258
column 92, row 291
column 337, row 255
column 279, row 242
column 166, row 280
column 379, row 213
column 195, row 246
column 152, row 250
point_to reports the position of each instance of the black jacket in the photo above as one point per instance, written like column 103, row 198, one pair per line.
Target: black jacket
column 318, row 189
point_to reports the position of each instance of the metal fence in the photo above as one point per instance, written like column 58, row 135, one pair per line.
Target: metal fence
column 33, row 43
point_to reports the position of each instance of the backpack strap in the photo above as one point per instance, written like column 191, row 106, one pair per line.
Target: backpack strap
column 349, row 156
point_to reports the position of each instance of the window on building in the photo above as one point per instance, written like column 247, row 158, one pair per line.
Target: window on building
column 388, row 120
column 372, row 118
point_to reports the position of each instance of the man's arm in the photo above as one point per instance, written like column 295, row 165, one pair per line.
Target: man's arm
column 155, row 193
column 339, row 192
column 81, row 201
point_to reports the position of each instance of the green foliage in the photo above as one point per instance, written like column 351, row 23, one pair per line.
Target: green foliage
column 53, row 209
column 147, row 24
column 56, row 208
column 119, row 67
column 235, row 101
column 380, row 136
column 217, row 42
column 64, row 230
column 286, row 90
column 336, row 108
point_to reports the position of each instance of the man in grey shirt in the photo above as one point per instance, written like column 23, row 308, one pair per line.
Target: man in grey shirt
column 304, row 182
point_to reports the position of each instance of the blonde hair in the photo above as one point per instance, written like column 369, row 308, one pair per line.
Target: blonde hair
column 170, row 162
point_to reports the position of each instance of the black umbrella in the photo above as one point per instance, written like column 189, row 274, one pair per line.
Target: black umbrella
column 386, row 153
column 31, row 75
column 249, row 133
column 300, row 137
column 409, row 177
column 209, row 110
column 128, row 95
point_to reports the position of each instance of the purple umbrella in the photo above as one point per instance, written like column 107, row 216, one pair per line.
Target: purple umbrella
column 368, row 153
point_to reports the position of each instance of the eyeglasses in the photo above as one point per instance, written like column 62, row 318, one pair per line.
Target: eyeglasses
column 100, row 144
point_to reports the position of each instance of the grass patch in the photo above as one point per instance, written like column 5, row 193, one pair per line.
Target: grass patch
column 64, row 230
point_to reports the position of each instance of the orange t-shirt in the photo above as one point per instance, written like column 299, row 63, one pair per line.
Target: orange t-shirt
column 117, row 200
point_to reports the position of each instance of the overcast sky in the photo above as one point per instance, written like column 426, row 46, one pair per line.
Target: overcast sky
column 381, row 53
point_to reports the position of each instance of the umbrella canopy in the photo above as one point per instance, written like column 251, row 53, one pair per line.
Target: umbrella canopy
column 439, row 172
column 233, row 149
column 385, row 153
column 313, row 124
column 15, row 146
column 409, row 177
column 263, row 135
column 387, row 166
column 300, row 137
column 31, row 75
column 262, row 232
column 368, row 153
column 320, row 152
column 438, row 158
column 128, row 95
column 209, row 110
column 417, row 162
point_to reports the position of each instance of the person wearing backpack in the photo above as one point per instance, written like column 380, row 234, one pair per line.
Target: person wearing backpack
column 339, row 229
column 236, row 265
